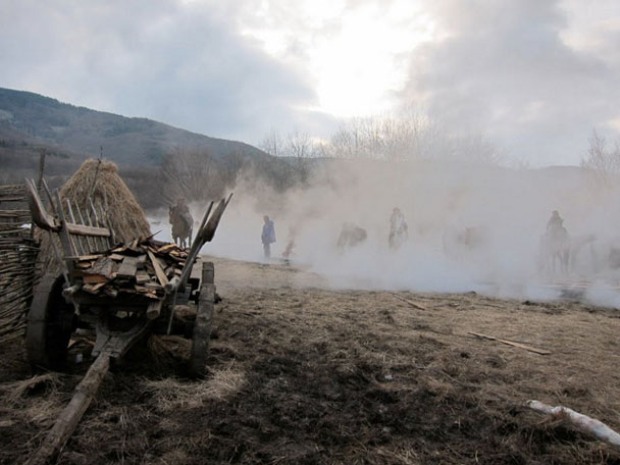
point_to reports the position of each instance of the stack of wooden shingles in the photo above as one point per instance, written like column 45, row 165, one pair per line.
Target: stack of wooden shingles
column 143, row 268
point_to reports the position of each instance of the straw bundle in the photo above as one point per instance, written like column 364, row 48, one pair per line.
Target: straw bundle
column 98, row 182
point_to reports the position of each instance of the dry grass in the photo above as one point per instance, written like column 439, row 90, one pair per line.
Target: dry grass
column 302, row 375
column 171, row 395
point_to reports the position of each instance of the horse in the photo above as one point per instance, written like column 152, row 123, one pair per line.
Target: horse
column 350, row 236
column 182, row 224
column 556, row 250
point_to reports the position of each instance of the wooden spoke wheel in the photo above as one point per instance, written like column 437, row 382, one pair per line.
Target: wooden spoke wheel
column 50, row 324
column 204, row 320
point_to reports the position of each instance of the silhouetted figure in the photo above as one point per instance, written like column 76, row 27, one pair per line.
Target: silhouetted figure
column 555, row 245
column 399, row 231
column 555, row 222
column 268, row 235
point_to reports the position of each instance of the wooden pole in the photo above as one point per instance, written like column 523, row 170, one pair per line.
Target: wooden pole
column 73, row 412
column 42, row 155
column 512, row 343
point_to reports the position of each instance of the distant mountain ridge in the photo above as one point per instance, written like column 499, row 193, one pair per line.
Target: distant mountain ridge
column 46, row 122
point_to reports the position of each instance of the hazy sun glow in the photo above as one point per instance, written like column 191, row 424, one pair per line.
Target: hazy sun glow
column 356, row 57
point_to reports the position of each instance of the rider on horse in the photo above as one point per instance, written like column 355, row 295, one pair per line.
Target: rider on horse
column 182, row 222
column 555, row 222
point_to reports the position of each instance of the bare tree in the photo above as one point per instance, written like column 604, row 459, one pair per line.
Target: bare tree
column 602, row 160
column 272, row 143
column 409, row 137
column 190, row 174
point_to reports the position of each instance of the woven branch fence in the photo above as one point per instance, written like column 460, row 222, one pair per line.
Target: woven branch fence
column 18, row 258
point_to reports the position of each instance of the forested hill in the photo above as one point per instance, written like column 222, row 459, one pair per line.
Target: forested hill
column 28, row 119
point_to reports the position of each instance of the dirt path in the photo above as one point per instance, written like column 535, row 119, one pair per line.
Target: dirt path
column 304, row 375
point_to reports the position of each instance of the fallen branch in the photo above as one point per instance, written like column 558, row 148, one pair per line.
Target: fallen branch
column 512, row 343
column 582, row 422
column 411, row 303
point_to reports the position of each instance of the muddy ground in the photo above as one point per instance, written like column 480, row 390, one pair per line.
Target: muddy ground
column 303, row 375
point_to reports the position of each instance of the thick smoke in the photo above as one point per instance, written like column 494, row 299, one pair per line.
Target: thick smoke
column 471, row 228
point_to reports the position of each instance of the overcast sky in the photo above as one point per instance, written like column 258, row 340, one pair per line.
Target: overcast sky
column 534, row 76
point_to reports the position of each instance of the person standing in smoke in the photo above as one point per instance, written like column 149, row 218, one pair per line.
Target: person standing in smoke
column 399, row 231
column 268, row 236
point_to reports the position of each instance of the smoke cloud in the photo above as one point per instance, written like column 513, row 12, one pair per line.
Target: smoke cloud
column 471, row 228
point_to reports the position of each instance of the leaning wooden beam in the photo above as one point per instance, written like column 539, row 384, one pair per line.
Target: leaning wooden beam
column 89, row 231
column 582, row 422
column 73, row 412
column 214, row 221
column 40, row 216
column 161, row 276
column 512, row 343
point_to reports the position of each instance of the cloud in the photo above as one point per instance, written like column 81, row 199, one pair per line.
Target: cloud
column 184, row 64
column 503, row 68
column 535, row 77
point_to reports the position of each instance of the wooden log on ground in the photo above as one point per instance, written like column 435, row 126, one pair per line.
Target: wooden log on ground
column 73, row 412
column 512, row 343
column 582, row 422
column 410, row 302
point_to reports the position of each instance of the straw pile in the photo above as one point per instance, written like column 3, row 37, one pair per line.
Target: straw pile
column 99, row 182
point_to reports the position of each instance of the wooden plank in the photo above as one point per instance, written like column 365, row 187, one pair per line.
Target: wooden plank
column 196, row 273
column 142, row 277
column 93, row 288
column 512, row 343
column 154, row 309
column 102, row 266
column 128, row 268
column 84, row 230
column 161, row 276
column 168, row 248
column 40, row 215
column 94, row 279
column 86, row 258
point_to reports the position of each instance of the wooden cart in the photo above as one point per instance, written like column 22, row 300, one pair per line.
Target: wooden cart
column 106, row 297
column 87, row 293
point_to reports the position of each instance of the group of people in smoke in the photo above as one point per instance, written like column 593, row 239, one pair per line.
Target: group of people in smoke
column 351, row 234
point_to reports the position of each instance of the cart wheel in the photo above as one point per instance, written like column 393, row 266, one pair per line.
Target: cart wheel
column 202, row 327
column 50, row 324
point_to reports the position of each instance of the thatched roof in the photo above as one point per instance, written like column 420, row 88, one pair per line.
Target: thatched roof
column 99, row 181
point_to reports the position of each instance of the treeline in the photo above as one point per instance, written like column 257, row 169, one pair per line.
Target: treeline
column 195, row 175
column 198, row 176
